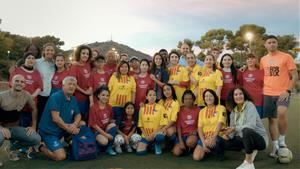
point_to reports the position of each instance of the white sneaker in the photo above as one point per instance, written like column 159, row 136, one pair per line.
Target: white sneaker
column 1, row 164
column 118, row 149
column 273, row 154
column 253, row 155
column 246, row 165
column 12, row 155
column 134, row 146
column 128, row 148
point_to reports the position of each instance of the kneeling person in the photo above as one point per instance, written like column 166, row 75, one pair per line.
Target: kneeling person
column 246, row 130
column 212, row 119
column 187, row 123
column 61, row 118
column 152, row 119
column 101, row 120
column 127, row 135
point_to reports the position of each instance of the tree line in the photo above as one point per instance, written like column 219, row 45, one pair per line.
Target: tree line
column 12, row 46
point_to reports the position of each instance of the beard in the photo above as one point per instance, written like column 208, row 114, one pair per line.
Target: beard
column 18, row 89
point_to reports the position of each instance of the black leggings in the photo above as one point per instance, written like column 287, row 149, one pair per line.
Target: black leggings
column 250, row 141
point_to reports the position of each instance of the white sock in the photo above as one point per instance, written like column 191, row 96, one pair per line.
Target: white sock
column 281, row 140
column 275, row 145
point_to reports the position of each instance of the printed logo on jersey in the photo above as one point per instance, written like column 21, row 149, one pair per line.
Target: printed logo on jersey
column 29, row 80
column 272, row 71
column 55, row 144
column 86, row 73
column 224, row 114
column 270, row 62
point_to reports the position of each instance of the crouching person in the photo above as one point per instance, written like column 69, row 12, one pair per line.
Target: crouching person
column 12, row 101
column 152, row 119
column 187, row 125
column 127, row 136
column 211, row 121
column 61, row 118
column 246, row 129
column 101, row 120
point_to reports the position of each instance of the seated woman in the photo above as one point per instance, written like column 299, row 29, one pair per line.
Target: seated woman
column 246, row 130
column 101, row 120
column 170, row 103
column 152, row 119
column 187, row 122
column 127, row 130
column 211, row 121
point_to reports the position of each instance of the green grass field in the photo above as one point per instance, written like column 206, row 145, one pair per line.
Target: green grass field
column 167, row 161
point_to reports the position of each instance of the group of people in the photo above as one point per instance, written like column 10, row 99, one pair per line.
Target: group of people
column 175, row 101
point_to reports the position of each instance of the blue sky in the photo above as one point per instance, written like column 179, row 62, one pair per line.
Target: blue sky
column 147, row 25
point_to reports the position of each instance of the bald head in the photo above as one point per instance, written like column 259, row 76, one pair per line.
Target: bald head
column 18, row 76
column 18, row 82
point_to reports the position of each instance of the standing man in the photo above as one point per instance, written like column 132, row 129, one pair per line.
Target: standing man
column 184, row 50
column 216, row 53
column 111, row 62
column 165, row 55
column 280, row 76
column 60, row 118
column 12, row 101
column 134, row 63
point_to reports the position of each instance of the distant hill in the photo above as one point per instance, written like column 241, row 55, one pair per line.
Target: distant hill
column 103, row 47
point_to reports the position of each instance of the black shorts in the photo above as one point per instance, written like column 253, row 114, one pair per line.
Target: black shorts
column 271, row 104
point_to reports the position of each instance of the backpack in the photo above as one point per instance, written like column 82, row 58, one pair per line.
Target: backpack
column 84, row 146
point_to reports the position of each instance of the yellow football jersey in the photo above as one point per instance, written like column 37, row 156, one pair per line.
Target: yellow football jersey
column 172, row 108
column 209, row 119
column 180, row 74
column 151, row 117
column 208, row 80
column 121, row 90
column 195, row 72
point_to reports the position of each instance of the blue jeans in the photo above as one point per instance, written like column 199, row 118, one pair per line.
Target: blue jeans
column 18, row 134
column 118, row 114
column 219, row 148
